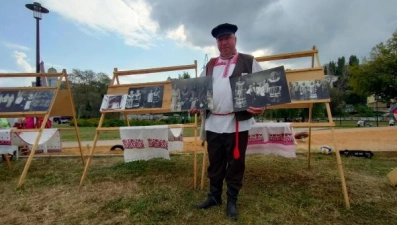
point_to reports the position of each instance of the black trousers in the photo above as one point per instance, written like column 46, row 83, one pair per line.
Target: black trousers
column 222, row 165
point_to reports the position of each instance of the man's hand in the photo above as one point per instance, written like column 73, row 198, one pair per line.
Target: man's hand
column 256, row 110
column 194, row 111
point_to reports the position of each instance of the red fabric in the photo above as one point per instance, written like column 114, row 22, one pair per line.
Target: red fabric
column 29, row 122
column 236, row 151
column 40, row 121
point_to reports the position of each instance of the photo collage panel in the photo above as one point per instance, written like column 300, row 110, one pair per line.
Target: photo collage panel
column 136, row 98
column 309, row 90
column 145, row 97
column 260, row 89
column 191, row 93
column 26, row 100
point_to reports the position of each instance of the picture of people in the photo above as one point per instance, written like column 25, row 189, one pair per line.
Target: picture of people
column 309, row 90
column 111, row 102
column 191, row 93
column 42, row 100
column 264, row 88
column 145, row 97
column 7, row 99
column 23, row 101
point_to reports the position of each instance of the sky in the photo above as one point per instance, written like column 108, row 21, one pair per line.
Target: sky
column 101, row 35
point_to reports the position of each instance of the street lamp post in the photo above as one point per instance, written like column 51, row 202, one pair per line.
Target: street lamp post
column 37, row 11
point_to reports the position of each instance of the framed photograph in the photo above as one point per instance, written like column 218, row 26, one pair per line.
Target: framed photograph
column 145, row 97
column 191, row 93
column 309, row 90
column 264, row 88
column 113, row 102
column 42, row 100
column 7, row 99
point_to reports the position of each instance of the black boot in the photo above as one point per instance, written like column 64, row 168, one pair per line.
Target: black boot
column 209, row 202
column 231, row 208
column 214, row 197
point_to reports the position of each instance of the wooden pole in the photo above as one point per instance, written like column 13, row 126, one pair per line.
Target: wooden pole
column 339, row 161
column 76, row 128
column 7, row 160
column 32, row 152
column 203, row 166
column 91, row 151
column 310, row 136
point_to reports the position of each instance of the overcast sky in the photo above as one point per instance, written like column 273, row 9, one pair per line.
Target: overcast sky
column 136, row 34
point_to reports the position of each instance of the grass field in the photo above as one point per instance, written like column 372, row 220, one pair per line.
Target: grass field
column 276, row 190
column 88, row 133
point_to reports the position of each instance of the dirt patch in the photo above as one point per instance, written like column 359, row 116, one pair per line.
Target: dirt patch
column 373, row 139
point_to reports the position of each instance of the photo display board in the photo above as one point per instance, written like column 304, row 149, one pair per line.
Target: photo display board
column 136, row 98
column 191, row 93
column 145, row 97
column 260, row 89
column 26, row 100
column 309, row 90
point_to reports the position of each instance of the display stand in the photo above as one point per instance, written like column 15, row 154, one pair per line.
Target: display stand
column 311, row 73
column 116, row 88
column 60, row 104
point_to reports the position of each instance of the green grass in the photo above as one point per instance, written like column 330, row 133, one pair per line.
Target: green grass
column 88, row 133
column 276, row 191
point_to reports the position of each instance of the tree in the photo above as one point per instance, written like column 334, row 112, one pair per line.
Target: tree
column 340, row 69
column 88, row 89
column 353, row 60
column 378, row 75
column 185, row 75
column 331, row 68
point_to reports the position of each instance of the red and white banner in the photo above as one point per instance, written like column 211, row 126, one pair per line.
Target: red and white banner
column 50, row 140
column 145, row 142
column 272, row 138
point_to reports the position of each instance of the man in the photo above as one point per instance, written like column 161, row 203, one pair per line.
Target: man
column 226, row 147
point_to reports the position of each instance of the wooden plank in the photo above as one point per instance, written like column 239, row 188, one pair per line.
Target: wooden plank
column 303, row 124
column 155, row 70
column 169, row 126
column 298, row 104
column 292, row 55
column 16, row 75
column 316, row 73
column 23, row 114
column 27, row 88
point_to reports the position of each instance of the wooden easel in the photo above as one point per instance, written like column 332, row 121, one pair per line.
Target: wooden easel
column 116, row 87
column 61, row 105
column 312, row 73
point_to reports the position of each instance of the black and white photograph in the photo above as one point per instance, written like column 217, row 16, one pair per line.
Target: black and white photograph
column 264, row 88
column 23, row 101
column 191, row 93
column 7, row 99
column 309, row 90
column 113, row 102
column 42, row 100
column 145, row 97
